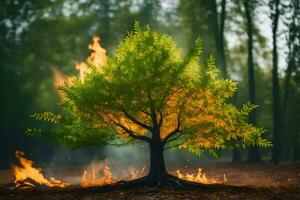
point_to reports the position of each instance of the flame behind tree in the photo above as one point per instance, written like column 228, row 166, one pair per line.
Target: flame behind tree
column 149, row 93
column 97, row 58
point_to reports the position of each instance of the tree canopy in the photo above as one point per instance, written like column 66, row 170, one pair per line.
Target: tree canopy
column 149, row 89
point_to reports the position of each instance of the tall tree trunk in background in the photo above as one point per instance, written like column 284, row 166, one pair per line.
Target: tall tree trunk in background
column 254, row 153
column 286, row 94
column 296, row 153
column 213, row 6
column 149, row 12
column 221, row 49
column 105, row 22
column 275, row 83
column 293, row 62
column 236, row 153
column 218, row 30
column 221, row 39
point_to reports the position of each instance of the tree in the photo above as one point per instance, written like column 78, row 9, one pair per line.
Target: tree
column 291, row 81
column 218, row 27
column 275, row 13
column 149, row 93
column 254, row 155
column 149, row 11
column 196, row 19
column 13, row 110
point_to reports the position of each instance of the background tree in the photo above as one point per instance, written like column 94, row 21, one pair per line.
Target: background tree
column 275, row 13
column 218, row 26
column 254, row 155
column 148, row 92
column 291, row 81
column 194, row 16
column 66, row 26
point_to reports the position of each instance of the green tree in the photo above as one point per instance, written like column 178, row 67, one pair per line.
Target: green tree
column 149, row 93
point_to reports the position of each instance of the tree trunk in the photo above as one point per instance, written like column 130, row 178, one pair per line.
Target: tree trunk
column 254, row 154
column 296, row 153
column 213, row 6
column 157, row 173
column 221, row 39
column 276, row 92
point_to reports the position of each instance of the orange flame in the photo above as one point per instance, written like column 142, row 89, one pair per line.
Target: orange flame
column 26, row 173
column 93, row 179
column 97, row 58
column 136, row 173
column 59, row 78
column 200, row 177
column 97, row 176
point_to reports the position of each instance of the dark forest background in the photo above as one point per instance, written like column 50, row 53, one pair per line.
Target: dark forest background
column 255, row 43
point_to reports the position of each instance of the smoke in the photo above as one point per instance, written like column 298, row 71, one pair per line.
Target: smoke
column 134, row 155
column 69, row 165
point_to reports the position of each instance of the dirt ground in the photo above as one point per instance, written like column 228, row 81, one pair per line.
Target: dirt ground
column 265, row 181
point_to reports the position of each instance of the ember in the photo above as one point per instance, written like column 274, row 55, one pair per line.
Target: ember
column 27, row 176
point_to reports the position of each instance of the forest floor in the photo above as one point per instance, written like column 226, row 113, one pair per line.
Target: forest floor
column 244, row 181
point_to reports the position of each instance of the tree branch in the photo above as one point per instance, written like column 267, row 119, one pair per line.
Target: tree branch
column 175, row 131
column 173, row 146
column 145, row 112
column 136, row 121
column 175, row 138
column 153, row 111
column 131, row 133
column 161, row 119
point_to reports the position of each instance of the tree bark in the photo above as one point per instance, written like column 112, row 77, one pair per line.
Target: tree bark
column 276, row 89
column 158, row 173
column 254, row 153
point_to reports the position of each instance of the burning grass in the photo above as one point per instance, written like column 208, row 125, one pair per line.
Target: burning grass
column 28, row 176
column 265, row 181
column 101, row 174
column 200, row 177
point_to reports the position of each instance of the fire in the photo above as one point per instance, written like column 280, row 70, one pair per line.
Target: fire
column 59, row 78
column 97, row 58
column 26, row 175
column 200, row 177
column 102, row 175
column 136, row 173
column 93, row 179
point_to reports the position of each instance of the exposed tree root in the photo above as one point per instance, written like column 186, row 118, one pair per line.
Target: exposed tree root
column 168, row 181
